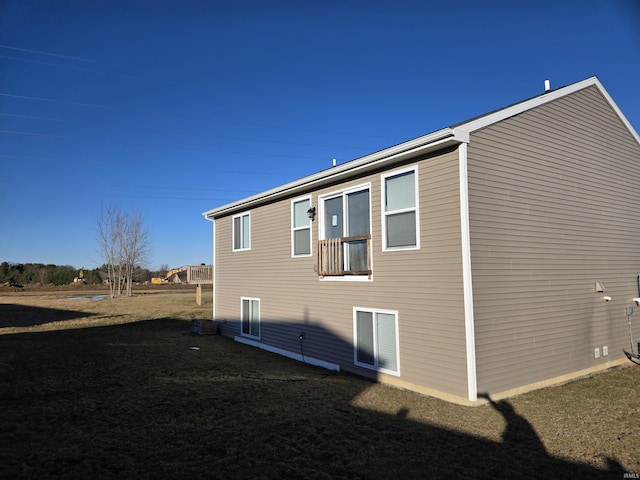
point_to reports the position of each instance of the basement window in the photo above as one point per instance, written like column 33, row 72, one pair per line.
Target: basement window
column 376, row 340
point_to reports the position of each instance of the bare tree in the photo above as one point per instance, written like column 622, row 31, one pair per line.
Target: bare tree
column 136, row 246
column 122, row 242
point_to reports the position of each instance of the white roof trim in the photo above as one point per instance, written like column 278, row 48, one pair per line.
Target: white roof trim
column 424, row 144
column 499, row 115
column 433, row 141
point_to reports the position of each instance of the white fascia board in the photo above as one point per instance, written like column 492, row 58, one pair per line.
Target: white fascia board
column 513, row 110
column 618, row 111
column 426, row 143
column 499, row 115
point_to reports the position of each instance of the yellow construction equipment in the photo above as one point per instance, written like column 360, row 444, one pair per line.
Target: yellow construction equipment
column 167, row 278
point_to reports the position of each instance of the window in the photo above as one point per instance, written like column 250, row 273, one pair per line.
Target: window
column 250, row 317
column 400, row 214
column 241, row 232
column 300, row 228
column 345, row 222
column 376, row 340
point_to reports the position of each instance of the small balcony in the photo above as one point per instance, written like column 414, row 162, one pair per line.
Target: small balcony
column 200, row 274
column 343, row 256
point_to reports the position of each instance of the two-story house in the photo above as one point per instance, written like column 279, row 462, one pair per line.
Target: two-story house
column 494, row 256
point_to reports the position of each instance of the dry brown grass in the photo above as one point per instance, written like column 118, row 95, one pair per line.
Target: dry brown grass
column 112, row 389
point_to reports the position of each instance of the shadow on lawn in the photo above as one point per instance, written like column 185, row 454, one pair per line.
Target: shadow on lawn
column 158, row 409
column 429, row 451
column 13, row 315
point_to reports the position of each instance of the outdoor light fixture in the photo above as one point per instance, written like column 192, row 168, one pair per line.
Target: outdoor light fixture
column 311, row 213
column 599, row 287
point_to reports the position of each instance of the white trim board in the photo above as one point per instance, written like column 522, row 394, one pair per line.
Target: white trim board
column 467, row 279
column 286, row 353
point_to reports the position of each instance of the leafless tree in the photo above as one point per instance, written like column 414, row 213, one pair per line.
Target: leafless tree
column 123, row 243
column 136, row 246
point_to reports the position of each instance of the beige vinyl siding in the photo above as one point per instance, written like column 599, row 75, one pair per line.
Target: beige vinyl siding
column 554, row 202
column 424, row 286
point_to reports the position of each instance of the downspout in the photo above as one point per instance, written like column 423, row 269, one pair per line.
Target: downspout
column 213, row 273
column 469, row 322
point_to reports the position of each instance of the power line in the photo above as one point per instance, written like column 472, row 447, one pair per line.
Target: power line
column 155, row 145
column 58, row 193
column 209, row 135
column 84, row 69
column 68, row 57
column 86, row 60
column 156, row 113
column 32, row 180
column 163, row 167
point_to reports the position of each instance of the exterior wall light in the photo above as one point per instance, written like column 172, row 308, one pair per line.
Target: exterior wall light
column 311, row 213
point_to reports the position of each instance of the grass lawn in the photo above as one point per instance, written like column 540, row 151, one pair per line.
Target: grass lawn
column 113, row 389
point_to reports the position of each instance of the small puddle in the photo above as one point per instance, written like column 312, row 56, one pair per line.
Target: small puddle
column 87, row 297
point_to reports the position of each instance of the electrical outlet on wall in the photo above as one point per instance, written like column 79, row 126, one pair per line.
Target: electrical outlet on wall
column 596, row 353
column 605, row 351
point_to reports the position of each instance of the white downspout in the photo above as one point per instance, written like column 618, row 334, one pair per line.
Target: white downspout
column 213, row 273
column 469, row 322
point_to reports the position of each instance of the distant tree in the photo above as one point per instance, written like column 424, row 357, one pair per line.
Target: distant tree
column 136, row 246
column 109, row 228
column 93, row 277
column 62, row 275
column 123, row 243
column 164, row 268
column 142, row 275
column 36, row 273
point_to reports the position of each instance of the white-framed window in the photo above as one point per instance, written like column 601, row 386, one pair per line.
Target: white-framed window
column 250, row 317
column 400, row 219
column 300, row 228
column 375, row 335
column 241, row 232
column 345, row 234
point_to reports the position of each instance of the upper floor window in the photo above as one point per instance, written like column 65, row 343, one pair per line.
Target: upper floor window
column 344, row 248
column 241, row 232
column 300, row 228
column 400, row 225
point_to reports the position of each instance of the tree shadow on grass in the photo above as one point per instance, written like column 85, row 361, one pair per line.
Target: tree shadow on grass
column 14, row 315
column 134, row 401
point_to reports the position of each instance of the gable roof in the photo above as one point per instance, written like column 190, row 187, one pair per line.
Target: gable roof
column 446, row 137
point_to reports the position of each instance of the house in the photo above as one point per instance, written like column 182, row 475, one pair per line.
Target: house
column 494, row 257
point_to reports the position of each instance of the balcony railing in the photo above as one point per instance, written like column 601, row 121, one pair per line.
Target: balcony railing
column 344, row 256
column 200, row 274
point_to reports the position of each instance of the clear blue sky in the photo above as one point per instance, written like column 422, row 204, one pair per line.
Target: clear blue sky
column 174, row 108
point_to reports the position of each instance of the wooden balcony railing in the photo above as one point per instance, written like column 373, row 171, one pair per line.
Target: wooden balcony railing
column 200, row 274
column 344, row 256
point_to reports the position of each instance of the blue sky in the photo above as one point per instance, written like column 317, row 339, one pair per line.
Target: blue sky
column 175, row 108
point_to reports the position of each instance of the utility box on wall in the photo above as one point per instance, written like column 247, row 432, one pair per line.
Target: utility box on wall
column 204, row 327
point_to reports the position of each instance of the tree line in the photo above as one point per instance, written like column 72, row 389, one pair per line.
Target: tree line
column 20, row 274
column 41, row 274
